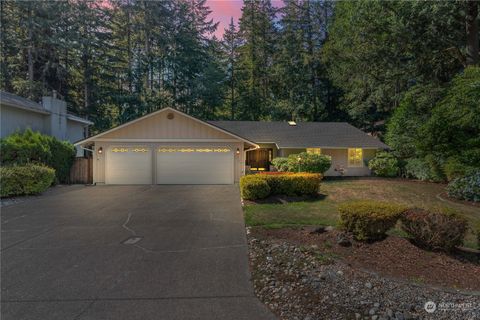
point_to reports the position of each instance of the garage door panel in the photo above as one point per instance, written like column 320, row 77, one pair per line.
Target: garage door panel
column 129, row 165
column 195, row 168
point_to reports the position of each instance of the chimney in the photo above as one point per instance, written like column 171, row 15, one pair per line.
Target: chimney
column 56, row 123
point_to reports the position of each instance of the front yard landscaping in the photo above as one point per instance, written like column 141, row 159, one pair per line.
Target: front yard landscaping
column 301, row 271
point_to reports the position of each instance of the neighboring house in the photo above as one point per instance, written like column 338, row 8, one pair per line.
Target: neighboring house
column 49, row 117
column 171, row 147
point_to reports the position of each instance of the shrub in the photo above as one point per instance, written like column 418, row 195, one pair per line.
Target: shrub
column 291, row 184
column 24, row 180
column 309, row 162
column 477, row 232
column 253, row 187
column 34, row 147
column 454, row 168
column 384, row 165
column 369, row 220
column 417, row 168
column 466, row 188
column 280, row 163
column 440, row 229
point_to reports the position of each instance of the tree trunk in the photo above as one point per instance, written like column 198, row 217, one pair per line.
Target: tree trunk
column 472, row 33
column 30, row 54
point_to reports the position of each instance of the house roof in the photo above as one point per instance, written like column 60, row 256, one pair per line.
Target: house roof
column 12, row 100
column 303, row 134
column 206, row 123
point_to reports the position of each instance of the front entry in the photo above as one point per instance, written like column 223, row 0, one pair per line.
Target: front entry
column 259, row 159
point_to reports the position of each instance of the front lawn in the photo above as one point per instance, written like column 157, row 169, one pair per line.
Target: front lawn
column 323, row 211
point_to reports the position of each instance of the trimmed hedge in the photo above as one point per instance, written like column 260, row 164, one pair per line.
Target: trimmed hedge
column 34, row 147
column 25, row 180
column 369, row 220
column 465, row 188
column 254, row 187
column 440, row 229
column 384, row 165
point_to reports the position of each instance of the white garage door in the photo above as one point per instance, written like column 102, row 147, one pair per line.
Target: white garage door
column 193, row 165
column 129, row 165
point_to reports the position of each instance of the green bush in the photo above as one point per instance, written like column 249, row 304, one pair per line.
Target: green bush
column 281, row 163
column 465, row 188
column 454, row 168
column 477, row 232
column 260, row 186
column 34, row 147
column 24, row 180
column 417, row 168
column 384, row 164
column 440, row 229
column 252, row 187
column 369, row 220
column 309, row 162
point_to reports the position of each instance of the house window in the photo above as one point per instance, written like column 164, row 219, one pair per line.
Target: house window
column 355, row 157
column 314, row 150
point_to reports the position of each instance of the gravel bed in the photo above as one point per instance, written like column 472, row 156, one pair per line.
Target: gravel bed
column 301, row 283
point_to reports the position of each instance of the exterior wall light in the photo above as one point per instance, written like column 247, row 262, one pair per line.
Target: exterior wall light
column 100, row 150
column 238, row 151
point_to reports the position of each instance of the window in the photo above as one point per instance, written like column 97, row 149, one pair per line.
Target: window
column 355, row 157
column 314, row 150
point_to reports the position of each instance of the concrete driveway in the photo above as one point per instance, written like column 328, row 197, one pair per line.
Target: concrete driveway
column 72, row 254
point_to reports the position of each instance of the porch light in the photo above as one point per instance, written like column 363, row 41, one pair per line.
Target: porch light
column 100, row 150
column 238, row 151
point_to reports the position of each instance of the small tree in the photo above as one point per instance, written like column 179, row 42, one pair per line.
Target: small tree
column 384, row 165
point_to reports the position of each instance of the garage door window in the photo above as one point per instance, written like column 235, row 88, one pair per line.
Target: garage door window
column 187, row 149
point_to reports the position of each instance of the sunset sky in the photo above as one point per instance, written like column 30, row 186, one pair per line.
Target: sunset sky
column 224, row 10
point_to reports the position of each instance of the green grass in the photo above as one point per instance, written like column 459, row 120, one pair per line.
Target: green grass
column 324, row 210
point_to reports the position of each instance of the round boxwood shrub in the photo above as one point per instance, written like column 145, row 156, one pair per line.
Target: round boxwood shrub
column 254, row 187
column 280, row 163
column 369, row 220
column 440, row 229
column 465, row 188
column 25, row 180
column 309, row 162
column 384, row 165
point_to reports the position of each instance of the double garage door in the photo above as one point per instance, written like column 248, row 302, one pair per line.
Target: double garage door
column 169, row 165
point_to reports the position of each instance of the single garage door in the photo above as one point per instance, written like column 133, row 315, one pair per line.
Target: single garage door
column 129, row 165
column 193, row 165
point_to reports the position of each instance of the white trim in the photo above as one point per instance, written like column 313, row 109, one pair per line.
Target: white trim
column 71, row 117
column 369, row 148
column 164, row 140
column 95, row 137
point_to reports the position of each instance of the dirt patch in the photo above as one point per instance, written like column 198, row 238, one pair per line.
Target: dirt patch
column 283, row 199
column 393, row 257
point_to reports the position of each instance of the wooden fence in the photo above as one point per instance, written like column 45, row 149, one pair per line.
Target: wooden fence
column 82, row 171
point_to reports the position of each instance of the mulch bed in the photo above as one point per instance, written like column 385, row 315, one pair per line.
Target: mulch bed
column 446, row 197
column 282, row 199
column 393, row 257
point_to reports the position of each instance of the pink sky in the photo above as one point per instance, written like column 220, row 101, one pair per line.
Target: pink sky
column 224, row 10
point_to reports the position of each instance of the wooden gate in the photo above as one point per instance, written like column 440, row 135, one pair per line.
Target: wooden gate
column 82, row 171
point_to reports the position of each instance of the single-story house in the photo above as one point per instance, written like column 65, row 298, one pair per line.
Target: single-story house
column 48, row 117
column 171, row 147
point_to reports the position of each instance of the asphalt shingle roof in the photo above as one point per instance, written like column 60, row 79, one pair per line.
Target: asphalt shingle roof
column 303, row 135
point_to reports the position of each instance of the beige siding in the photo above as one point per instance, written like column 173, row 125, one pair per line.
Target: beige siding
column 159, row 127
column 287, row 152
column 340, row 159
